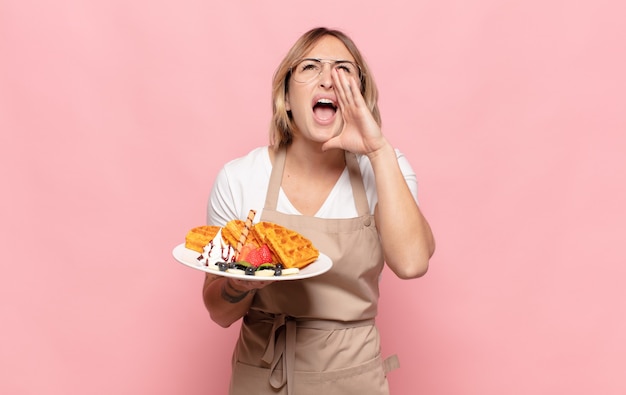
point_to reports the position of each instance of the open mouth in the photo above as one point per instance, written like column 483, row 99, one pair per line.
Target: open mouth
column 324, row 109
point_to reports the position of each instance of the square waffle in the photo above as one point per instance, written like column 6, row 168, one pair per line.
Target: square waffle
column 200, row 236
column 291, row 248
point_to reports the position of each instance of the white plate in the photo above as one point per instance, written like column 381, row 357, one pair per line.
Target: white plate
column 190, row 258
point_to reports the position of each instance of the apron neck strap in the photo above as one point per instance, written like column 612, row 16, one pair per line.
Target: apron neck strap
column 356, row 181
column 271, row 199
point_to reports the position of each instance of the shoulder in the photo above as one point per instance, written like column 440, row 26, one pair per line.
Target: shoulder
column 403, row 162
column 369, row 180
column 256, row 159
column 245, row 172
column 239, row 186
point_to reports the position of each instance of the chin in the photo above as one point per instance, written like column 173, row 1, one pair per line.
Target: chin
column 323, row 137
column 327, row 132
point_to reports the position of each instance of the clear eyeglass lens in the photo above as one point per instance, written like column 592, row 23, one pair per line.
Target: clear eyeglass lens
column 309, row 69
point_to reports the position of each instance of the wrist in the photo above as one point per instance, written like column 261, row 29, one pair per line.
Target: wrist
column 232, row 294
column 380, row 152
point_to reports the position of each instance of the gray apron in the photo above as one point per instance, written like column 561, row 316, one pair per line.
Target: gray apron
column 317, row 335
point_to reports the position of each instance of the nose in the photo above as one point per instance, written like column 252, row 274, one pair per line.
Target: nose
column 326, row 78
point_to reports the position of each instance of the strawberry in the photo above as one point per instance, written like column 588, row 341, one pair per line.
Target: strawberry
column 246, row 250
column 266, row 254
column 259, row 256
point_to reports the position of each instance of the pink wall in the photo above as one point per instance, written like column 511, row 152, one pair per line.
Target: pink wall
column 116, row 115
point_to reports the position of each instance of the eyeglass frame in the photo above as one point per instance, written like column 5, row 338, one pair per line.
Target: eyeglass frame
column 332, row 62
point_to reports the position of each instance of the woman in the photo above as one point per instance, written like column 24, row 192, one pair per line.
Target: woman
column 330, row 174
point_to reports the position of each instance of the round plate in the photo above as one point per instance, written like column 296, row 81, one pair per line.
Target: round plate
column 190, row 258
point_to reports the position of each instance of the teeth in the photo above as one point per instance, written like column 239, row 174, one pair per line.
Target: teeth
column 325, row 101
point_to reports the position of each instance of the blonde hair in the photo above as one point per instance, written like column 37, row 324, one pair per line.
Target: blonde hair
column 282, row 126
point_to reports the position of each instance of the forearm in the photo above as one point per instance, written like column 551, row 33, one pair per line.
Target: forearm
column 406, row 237
column 225, row 302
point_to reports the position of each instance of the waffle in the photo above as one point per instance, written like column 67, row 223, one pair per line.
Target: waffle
column 290, row 247
column 200, row 236
column 231, row 234
column 232, row 231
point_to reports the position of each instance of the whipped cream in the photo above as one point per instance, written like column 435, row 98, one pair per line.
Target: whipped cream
column 216, row 251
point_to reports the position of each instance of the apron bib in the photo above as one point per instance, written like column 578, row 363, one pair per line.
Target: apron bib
column 317, row 334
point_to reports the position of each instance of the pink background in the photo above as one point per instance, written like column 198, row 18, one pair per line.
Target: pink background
column 116, row 115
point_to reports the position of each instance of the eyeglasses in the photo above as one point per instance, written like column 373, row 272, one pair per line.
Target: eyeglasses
column 308, row 69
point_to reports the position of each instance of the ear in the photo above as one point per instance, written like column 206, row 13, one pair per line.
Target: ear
column 287, row 105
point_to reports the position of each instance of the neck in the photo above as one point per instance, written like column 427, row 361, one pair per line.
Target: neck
column 312, row 158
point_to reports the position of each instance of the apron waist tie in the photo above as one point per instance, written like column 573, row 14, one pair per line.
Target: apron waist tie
column 281, row 345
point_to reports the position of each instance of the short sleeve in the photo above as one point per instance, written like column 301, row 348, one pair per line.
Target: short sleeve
column 221, row 207
column 408, row 173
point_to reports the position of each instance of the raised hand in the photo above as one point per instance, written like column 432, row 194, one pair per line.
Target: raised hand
column 360, row 134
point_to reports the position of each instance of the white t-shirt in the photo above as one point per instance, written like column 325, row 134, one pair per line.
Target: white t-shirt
column 241, row 186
